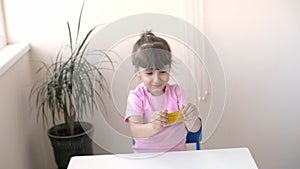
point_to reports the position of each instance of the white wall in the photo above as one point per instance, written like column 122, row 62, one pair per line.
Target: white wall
column 257, row 44
column 23, row 140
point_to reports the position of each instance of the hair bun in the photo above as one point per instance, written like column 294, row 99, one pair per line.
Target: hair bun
column 147, row 34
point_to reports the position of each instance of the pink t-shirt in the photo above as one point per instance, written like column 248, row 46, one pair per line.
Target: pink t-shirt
column 142, row 103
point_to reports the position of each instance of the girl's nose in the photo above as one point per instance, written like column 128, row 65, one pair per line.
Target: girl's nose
column 156, row 77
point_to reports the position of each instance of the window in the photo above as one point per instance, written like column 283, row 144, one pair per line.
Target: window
column 9, row 54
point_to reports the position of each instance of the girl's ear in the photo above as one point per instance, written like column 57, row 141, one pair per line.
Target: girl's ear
column 137, row 72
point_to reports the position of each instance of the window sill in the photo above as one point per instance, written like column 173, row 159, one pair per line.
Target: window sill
column 10, row 54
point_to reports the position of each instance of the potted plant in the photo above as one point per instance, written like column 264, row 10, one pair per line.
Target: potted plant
column 71, row 88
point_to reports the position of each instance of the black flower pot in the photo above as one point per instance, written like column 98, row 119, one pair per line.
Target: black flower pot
column 66, row 146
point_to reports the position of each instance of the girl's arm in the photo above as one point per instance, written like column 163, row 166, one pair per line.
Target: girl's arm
column 139, row 129
column 191, row 115
column 194, row 125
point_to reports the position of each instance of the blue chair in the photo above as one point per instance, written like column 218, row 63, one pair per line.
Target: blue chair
column 195, row 138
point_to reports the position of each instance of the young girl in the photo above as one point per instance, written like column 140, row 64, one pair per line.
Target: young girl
column 149, row 104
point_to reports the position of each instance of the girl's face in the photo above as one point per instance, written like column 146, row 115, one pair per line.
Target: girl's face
column 154, row 79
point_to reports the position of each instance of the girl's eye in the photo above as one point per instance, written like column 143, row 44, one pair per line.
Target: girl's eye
column 149, row 73
column 163, row 72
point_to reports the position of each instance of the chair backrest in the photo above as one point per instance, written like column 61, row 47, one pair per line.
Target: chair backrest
column 195, row 138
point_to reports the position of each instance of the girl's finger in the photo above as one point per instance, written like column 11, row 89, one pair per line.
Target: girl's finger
column 186, row 109
column 182, row 107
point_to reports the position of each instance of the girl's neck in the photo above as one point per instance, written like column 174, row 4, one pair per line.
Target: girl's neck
column 157, row 93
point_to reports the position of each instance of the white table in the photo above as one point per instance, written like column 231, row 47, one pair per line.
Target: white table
column 235, row 158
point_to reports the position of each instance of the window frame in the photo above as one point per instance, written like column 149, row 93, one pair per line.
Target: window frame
column 3, row 41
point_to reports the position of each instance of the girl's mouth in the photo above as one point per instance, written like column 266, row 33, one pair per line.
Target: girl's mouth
column 156, row 86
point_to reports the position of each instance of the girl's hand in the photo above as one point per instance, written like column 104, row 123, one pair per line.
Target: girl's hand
column 159, row 119
column 191, row 115
column 189, row 112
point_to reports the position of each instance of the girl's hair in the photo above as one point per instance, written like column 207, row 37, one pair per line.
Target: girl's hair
column 151, row 51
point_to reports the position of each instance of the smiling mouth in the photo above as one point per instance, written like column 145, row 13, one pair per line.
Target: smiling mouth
column 157, row 86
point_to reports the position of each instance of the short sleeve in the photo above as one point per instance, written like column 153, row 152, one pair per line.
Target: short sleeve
column 134, row 105
column 181, row 96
